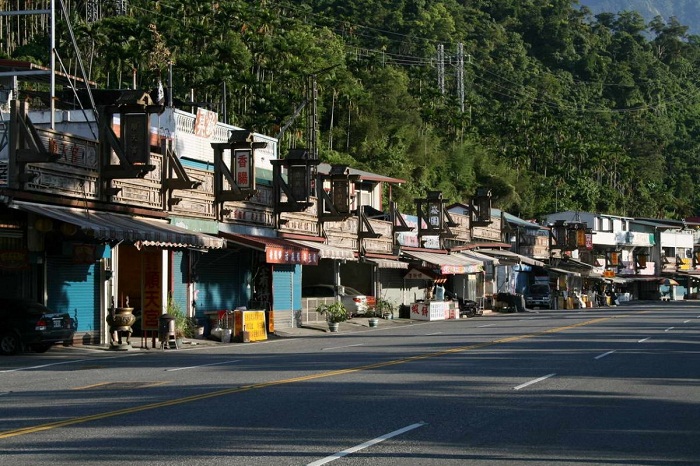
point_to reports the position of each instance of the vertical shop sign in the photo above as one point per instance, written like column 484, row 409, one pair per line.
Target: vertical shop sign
column 243, row 168
column 152, row 296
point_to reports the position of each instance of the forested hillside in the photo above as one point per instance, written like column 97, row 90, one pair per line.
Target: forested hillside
column 686, row 11
column 549, row 106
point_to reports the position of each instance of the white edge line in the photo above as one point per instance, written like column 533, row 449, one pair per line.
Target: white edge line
column 72, row 361
column 643, row 340
column 367, row 444
column 533, row 381
column 604, row 354
column 201, row 365
column 340, row 347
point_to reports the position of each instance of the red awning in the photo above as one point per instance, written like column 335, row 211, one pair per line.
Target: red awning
column 277, row 250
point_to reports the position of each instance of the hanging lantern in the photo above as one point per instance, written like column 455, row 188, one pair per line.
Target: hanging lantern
column 43, row 224
column 480, row 212
column 68, row 229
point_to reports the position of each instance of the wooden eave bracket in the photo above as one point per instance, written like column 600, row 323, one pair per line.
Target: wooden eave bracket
column 366, row 230
column 36, row 152
column 181, row 179
column 235, row 193
column 124, row 169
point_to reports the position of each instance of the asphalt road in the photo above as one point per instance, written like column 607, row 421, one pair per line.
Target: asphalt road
column 612, row 386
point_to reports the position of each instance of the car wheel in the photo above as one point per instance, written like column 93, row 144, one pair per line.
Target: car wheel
column 41, row 347
column 9, row 343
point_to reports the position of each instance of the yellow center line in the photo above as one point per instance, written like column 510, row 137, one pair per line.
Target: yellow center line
column 304, row 378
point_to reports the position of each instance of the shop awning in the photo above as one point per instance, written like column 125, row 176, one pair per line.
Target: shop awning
column 613, row 279
column 618, row 280
column 480, row 257
column 565, row 272
column 326, row 251
column 387, row 263
column 109, row 226
column 449, row 264
column 511, row 258
column 574, row 265
column 277, row 250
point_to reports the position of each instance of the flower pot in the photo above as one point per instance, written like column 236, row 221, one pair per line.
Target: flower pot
column 373, row 322
column 333, row 326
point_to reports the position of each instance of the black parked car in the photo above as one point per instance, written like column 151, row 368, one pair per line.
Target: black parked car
column 26, row 324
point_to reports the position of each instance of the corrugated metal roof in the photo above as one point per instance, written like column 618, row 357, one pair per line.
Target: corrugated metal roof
column 448, row 263
column 326, row 251
column 506, row 255
column 111, row 226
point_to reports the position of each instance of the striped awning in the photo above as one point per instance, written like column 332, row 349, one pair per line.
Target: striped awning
column 386, row 263
column 567, row 272
column 111, row 226
column 326, row 251
column 449, row 264
column 277, row 250
column 509, row 257
column 480, row 257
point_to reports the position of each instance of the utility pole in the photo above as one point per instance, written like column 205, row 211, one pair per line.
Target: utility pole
column 441, row 68
column 460, row 76
column 312, row 116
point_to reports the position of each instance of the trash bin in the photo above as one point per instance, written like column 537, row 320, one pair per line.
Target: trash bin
column 166, row 331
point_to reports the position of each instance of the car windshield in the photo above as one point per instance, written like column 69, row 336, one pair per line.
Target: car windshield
column 352, row 292
column 539, row 289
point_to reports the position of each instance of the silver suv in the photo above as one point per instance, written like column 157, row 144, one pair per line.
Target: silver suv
column 538, row 296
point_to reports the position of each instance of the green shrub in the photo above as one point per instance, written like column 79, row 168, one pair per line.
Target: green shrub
column 334, row 312
column 184, row 328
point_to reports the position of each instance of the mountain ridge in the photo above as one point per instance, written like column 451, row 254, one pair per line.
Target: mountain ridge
column 686, row 11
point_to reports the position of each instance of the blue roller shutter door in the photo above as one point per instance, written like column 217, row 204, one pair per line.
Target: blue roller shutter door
column 222, row 280
column 180, row 275
column 286, row 294
column 74, row 288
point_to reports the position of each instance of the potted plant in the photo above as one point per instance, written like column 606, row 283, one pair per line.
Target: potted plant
column 372, row 317
column 384, row 308
column 335, row 313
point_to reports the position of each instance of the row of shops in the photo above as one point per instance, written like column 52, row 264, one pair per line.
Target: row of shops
column 166, row 206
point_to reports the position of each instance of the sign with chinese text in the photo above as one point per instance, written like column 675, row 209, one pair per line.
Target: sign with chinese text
column 415, row 274
column 434, row 310
column 152, row 296
column 282, row 255
column 205, row 122
column 252, row 322
column 243, row 169
column 14, row 259
column 135, row 137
